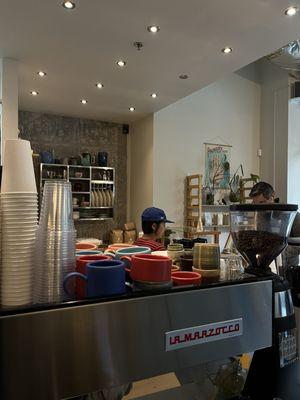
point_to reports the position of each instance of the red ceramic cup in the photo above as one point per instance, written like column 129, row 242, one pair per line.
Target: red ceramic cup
column 81, row 264
column 150, row 268
column 182, row 278
column 86, row 246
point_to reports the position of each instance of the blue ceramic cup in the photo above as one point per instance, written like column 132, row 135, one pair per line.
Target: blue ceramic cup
column 103, row 278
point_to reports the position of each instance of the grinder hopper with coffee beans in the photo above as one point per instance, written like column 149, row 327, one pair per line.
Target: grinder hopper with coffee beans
column 260, row 232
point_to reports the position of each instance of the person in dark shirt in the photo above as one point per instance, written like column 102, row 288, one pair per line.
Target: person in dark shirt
column 153, row 226
column 263, row 193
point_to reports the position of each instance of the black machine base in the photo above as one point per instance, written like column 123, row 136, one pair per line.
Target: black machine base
column 266, row 380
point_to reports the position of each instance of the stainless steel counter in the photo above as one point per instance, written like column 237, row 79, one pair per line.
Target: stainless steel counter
column 66, row 351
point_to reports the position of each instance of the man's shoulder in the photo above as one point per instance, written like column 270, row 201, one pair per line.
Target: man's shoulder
column 295, row 231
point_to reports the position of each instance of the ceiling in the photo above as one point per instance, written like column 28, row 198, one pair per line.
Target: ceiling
column 78, row 48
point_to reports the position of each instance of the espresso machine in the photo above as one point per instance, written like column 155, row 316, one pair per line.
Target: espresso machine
column 260, row 234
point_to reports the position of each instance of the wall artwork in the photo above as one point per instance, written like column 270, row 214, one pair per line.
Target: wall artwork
column 217, row 167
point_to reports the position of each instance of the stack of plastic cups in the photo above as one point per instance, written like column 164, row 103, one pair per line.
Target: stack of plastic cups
column 55, row 244
column 19, row 215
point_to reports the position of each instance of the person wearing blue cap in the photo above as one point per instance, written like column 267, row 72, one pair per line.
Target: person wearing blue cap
column 153, row 226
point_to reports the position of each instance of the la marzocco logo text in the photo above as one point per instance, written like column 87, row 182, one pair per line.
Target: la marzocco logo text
column 203, row 334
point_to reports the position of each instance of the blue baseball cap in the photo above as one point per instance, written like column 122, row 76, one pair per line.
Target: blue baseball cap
column 154, row 214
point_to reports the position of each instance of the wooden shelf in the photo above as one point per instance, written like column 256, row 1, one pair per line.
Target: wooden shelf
column 102, row 182
column 106, row 168
column 193, row 187
column 78, row 179
column 55, row 165
column 96, row 208
column 216, row 226
column 55, row 179
column 220, row 206
column 92, row 219
column 79, row 166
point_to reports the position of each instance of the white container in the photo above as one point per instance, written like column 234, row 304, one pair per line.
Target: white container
column 18, row 172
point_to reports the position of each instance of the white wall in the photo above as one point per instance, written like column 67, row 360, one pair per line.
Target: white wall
column 294, row 153
column 140, row 159
column 274, row 127
column 227, row 111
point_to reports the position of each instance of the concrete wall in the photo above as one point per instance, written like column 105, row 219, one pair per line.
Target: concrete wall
column 228, row 112
column 71, row 136
column 140, row 156
column 9, row 97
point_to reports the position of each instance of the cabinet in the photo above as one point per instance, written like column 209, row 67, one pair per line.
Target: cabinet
column 93, row 188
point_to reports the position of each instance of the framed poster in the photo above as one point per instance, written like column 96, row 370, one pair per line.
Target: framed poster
column 217, row 166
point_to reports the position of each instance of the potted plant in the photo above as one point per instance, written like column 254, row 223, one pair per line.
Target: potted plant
column 234, row 185
column 167, row 240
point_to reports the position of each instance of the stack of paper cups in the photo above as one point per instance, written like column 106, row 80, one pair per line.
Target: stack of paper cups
column 19, row 215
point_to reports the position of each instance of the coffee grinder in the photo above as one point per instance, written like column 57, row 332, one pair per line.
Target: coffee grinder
column 260, row 234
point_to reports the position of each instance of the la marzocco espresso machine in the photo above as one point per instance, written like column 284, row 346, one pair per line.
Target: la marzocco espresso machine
column 260, row 234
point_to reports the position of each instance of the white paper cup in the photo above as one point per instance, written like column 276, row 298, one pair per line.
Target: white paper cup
column 16, row 221
column 18, row 231
column 14, row 267
column 19, row 203
column 14, row 196
column 14, row 301
column 19, row 211
column 23, row 200
column 21, row 226
column 17, row 281
column 18, row 172
column 10, row 299
column 9, row 238
column 11, row 231
column 10, row 267
column 11, row 260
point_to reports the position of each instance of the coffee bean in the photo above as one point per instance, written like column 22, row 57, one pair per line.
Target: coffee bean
column 259, row 248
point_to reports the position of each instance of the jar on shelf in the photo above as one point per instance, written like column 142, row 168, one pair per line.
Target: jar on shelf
column 215, row 219
column 226, row 219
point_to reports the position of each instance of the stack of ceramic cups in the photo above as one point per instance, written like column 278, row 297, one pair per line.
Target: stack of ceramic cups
column 55, row 244
column 175, row 250
column 206, row 260
column 19, row 214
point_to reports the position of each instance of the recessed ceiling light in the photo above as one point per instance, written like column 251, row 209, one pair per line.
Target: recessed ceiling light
column 131, row 109
column 34, row 93
column 183, row 76
column 227, row 50
column 68, row 4
column 153, row 28
column 153, row 95
column 99, row 85
column 83, row 101
column 121, row 63
column 291, row 11
column 41, row 74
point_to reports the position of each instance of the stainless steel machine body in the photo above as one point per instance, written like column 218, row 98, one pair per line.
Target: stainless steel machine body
column 67, row 351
